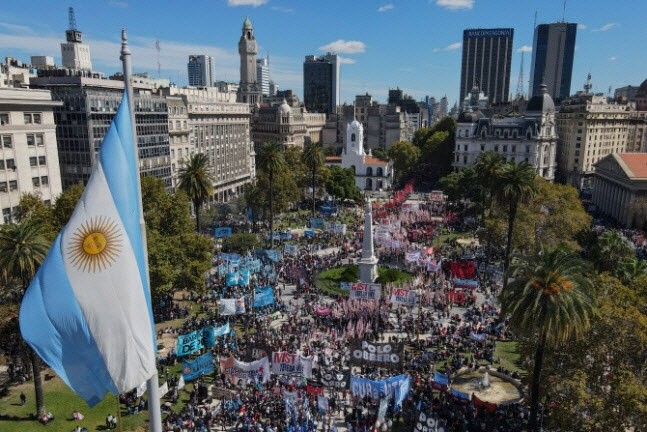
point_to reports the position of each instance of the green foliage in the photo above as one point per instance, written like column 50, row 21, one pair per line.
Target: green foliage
column 196, row 178
column 285, row 191
column 405, row 156
column 240, row 243
column 31, row 206
column 609, row 250
column 23, row 247
column 349, row 274
column 387, row 275
column 272, row 163
column 65, row 205
column 379, row 153
column 436, row 145
column 341, row 184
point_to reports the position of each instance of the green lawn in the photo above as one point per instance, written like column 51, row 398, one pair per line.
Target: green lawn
column 329, row 281
column 507, row 351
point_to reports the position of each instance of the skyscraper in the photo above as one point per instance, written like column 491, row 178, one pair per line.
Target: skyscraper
column 321, row 83
column 552, row 58
column 74, row 53
column 201, row 71
column 249, row 90
column 487, row 57
column 263, row 74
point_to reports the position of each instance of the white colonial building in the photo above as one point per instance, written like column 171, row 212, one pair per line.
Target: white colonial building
column 371, row 173
column 531, row 137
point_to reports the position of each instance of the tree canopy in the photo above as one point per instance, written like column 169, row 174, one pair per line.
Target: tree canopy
column 341, row 184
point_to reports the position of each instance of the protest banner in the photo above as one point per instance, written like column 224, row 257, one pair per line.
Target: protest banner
column 291, row 249
column 232, row 306
column 200, row 366
column 316, row 223
column 163, row 389
column 264, row 297
column 402, row 391
column 258, row 370
column 365, row 291
column 221, row 331
column 322, row 311
column 386, row 355
column 345, row 285
column 333, row 378
column 404, row 297
column 363, row 387
column 190, row 343
column 322, row 403
column 426, row 423
column 230, row 257
column 232, row 278
column 222, row 232
column 258, row 351
column 285, row 363
column 221, row 393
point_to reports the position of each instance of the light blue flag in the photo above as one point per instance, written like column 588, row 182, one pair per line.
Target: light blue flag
column 87, row 313
column 232, row 278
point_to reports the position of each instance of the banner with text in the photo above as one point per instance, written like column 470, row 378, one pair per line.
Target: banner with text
column 363, row 387
column 255, row 371
column 404, row 297
column 337, row 379
column 285, row 363
column 365, row 291
column 200, row 366
column 222, row 232
column 234, row 306
column 386, row 355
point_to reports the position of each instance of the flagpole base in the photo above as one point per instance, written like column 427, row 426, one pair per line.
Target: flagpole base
column 154, row 409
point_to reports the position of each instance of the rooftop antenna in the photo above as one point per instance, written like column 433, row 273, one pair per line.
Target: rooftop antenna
column 564, row 12
column 588, row 86
column 71, row 18
column 535, row 24
column 609, row 94
column 520, row 86
column 159, row 65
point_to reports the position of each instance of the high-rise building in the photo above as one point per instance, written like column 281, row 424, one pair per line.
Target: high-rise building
column 552, row 58
column 75, row 54
column 263, row 74
column 321, row 83
column 29, row 161
column 249, row 91
column 487, row 58
column 201, row 71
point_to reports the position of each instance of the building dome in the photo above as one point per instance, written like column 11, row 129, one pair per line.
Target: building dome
column 247, row 24
column 541, row 101
column 355, row 124
column 285, row 108
column 642, row 90
column 469, row 116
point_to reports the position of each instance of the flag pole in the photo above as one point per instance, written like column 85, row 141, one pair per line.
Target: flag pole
column 152, row 384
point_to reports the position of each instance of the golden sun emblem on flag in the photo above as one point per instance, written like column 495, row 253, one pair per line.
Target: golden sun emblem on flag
column 95, row 245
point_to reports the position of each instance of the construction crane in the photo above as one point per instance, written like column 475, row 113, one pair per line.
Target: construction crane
column 159, row 65
column 71, row 18
column 520, row 86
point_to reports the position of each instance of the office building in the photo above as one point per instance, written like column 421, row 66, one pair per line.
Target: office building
column 620, row 188
column 552, row 58
column 590, row 128
column 214, row 124
column 626, row 93
column 487, row 58
column 28, row 148
column 249, row 91
column 263, row 74
column 287, row 125
column 321, row 83
column 201, row 71
column 531, row 138
column 74, row 53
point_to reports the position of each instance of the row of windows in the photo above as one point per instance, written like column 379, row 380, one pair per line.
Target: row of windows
column 12, row 185
column 28, row 118
column 32, row 140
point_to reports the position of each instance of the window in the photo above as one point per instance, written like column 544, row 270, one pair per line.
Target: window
column 48, row 203
column 2, row 164
column 6, row 141
column 41, row 160
column 11, row 164
column 44, row 180
column 27, row 118
column 514, row 149
column 465, row 160
column 4, row 119
column 36, row 118
column 505, row 148
column 13, row 185
column 32, row 161
column 35, row 181
column 496, row 148
column 6, row 214
column 465, row 147
column 3, row 186
column 527, row 149
column 31, row 140
column 39, row 140
column 352, row 137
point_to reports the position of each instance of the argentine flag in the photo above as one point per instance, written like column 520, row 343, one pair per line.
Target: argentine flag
column 87, row 313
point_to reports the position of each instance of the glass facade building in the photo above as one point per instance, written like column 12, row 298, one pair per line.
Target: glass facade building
column 552, row 58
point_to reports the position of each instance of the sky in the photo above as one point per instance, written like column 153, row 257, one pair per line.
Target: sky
column 411, row 44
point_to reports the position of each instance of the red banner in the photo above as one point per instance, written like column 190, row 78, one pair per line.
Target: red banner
column 463, row 269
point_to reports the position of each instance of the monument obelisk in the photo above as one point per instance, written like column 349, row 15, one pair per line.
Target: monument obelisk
column 367, row 264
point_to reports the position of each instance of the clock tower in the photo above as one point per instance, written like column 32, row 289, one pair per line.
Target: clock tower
column 249, row 90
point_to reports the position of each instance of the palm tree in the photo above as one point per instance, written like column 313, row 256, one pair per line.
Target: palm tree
column 610, row 250
column 271, row 161
column 488, row 169
column 516, row 184
column 196, row 179
column 23, row 248
column 550, row 300
column 313, row 159
column 630, row 268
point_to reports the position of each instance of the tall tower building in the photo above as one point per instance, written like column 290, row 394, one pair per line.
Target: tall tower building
column 321, row 83
column 249, row 91
column 263, row 74
column 552, row 58
column 201, row 71
column 487, row 58
column 75, row 54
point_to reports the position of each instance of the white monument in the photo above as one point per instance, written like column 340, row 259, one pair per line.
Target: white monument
column 367, row 264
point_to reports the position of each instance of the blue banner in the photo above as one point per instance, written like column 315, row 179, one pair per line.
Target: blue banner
column 208, row 337
column 232, row 278
column 291, row 249
column 401, row 392
column 222, row 232
column 264, row 298
column 200, row 366
column 376, row 389
column 230, row 257
column 190, row 343
column 345, row 285
column 222, row 269
column 270, row 254
column 221, row 331
column 317, row 223
column 327, row 210
column 309, row 233
column 243, row 277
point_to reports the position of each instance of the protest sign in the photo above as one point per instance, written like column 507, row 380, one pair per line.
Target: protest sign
column 264, row 297
column 190, row 343
column 291, row 249
column 232, row 306
column 387, row 355
column 426, row 423
column 222, row 232
column 285, row 363
column 404, row 297
column 236, row 370
column 200, row 366
column 316, row 223
column 333, row 378
column 365, row 291
column 363, row 387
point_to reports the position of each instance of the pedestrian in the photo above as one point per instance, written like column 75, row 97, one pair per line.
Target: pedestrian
column 23, row 398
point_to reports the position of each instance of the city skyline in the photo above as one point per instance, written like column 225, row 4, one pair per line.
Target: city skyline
column 375, row 40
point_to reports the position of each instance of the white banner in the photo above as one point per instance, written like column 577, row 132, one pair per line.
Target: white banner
column 257, row 370
column 163, row 389
column 404, row 297
column 180, row 383
column 365, row 291
column 232, row 306
column 322, row 403
column 285, row 363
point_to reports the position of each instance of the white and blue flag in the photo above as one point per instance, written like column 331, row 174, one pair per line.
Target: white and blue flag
column 87, row 313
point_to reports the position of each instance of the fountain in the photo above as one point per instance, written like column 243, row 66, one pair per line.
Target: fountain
column 489, row 388
column 485, row 382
